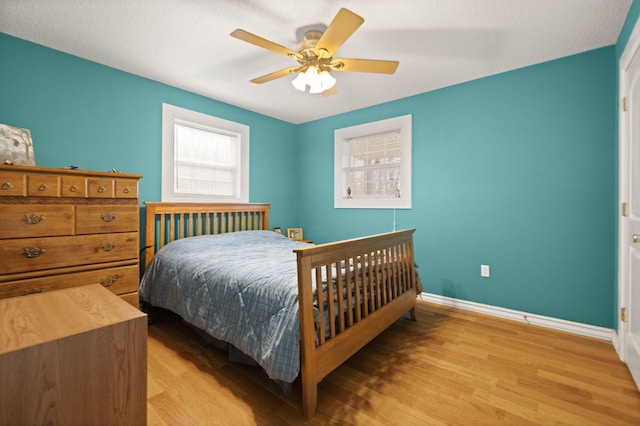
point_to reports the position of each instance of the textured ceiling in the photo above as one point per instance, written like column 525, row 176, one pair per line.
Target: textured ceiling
column 186, row 43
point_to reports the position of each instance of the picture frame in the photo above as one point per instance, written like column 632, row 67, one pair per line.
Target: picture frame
column 294, row 233
column 277, row 230
column 16, row 146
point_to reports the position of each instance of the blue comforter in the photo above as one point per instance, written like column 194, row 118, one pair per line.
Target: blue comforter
column 239, row 287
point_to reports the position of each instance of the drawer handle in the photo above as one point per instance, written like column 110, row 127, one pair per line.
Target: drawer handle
column 108, row 217
column 43, row 187
column 33, row 219
column 126, row 190
column 101, row 189
column 106, row 282
column 73, row 188
column 6, row 185
column 32, row 252
column 33, row 291
column 108, row 246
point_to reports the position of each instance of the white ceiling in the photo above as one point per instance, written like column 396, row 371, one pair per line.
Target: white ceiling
column 439, row 43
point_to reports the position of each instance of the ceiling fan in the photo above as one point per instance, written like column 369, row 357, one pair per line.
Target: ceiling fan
column 315, row 55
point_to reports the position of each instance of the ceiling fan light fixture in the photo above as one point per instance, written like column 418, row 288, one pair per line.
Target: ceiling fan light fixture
column 317, row 82
column 311, row 74
column 316, row 87
column 300, row 82
column 326, row 80
column 307, row 78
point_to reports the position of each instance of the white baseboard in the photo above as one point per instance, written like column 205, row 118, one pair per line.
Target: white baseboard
column 615, row 340
column 534, row 319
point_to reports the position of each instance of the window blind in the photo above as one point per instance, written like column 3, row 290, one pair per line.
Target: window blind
column 373, row 165
column 205, row 161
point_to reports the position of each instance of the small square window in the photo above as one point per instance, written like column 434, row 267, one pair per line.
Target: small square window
column 373, row 165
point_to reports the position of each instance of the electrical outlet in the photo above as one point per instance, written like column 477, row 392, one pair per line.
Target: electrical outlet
column 484, row 271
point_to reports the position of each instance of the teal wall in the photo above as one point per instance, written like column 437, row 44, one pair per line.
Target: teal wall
column 516, row 170
column 100, row 118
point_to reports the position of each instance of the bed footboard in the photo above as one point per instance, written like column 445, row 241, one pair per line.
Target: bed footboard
column 349, row 292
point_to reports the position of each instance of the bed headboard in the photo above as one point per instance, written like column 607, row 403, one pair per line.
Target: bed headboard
column 166, row 222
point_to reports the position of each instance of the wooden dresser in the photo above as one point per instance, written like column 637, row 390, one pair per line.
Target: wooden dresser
column 65, row 228
column 76, row 356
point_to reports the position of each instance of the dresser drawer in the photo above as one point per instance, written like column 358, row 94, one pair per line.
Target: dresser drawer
column 100, row 188
column 40, row 185
column 122, row 280
column 126, row 188
column 13, row 184
column 102, row 219
column 35, row 254
column 73, row 187
column 34, row 220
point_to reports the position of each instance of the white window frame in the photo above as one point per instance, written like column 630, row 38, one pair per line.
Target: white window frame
column 170, row 116
column 342, row 138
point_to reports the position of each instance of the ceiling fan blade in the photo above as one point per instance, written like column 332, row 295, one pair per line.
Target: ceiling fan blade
column 339, row 30
column 330, row 92
column 274, row 75
column 364, row 65
column 264, row 43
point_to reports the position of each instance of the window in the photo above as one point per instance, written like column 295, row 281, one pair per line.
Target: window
column 204, row 158
column 373, row 165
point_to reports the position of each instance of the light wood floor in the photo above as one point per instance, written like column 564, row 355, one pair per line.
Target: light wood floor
column 450, row 367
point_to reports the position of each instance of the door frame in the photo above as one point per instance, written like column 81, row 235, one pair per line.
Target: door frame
column 631, row 49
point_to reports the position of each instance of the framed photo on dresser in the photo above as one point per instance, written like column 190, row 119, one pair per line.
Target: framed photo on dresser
column 16, row 146
column 294, row 233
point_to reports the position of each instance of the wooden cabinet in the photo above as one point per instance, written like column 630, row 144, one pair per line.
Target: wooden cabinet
column 76, row 356
column 65, row 228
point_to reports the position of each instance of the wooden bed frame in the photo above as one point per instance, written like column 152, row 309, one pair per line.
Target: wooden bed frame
column 379, row 288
